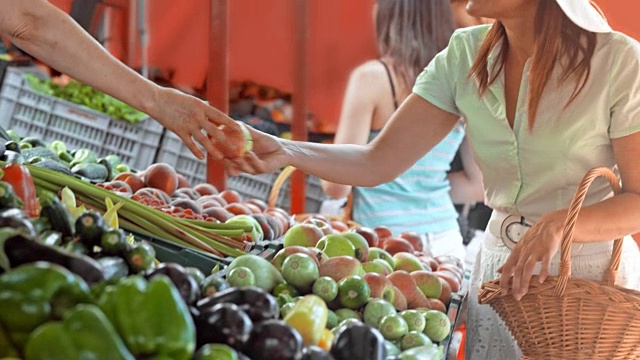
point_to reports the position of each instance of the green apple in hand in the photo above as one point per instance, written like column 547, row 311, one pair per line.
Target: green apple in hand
column 336, row 245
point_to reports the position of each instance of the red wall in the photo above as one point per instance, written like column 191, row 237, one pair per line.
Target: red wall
column 262, row 38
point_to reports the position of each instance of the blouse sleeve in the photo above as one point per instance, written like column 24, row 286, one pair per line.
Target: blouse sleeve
column 437, row 82
column 625, row 91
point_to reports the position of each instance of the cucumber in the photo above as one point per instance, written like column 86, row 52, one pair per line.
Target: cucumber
column 55, row 212
column 89, row 228
column 110, row 170
column 96, row 173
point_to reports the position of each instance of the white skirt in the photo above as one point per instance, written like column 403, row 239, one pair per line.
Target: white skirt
column 487, row 335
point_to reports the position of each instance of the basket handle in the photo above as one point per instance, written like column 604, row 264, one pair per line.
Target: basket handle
column 282, row 178
column 567, row 234
column 277, row 185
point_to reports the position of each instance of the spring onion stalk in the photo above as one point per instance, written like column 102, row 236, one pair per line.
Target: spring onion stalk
column 206, row 239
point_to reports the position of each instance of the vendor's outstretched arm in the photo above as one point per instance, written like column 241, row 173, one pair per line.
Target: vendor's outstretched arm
column 50, row 35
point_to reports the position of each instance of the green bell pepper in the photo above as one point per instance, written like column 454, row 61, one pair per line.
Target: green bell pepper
column 84, row 333
column 151, row 318
column 6, row 348
column 34, row 294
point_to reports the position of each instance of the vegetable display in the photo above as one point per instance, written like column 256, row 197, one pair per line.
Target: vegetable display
column 78, row 93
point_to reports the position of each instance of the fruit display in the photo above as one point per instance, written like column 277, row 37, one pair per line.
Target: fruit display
column 358, row 277
column 329, row 292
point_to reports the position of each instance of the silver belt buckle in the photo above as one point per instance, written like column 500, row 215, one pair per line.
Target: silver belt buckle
column 512, row 229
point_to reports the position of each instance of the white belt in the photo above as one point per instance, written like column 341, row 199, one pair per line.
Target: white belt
column 508, row 229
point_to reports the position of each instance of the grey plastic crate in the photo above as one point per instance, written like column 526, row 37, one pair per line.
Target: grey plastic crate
column 314, row 195
column 175, row 153
column 31, row 113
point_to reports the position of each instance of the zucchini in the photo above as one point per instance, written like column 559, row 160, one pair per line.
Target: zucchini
column 55, row 166
column 95, row 173
column 55, row 212
column 89, row 228
column 58, row 146
column 140, row 257
column 40, row 152
column 110, row 170
column 84, row 156
column 65, row 156
column 34, row 142
column 13, row 146
column 114, row 268
column 8, row 197
column 24, row 146
column 113, row 242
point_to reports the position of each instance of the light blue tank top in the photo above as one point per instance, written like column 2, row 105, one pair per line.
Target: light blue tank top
column 418, row 200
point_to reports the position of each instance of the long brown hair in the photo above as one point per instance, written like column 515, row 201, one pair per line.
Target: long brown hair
column 558, row 40
column 412, row 32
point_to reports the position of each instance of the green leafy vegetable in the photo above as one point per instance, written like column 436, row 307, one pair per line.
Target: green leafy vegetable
column 82, row 94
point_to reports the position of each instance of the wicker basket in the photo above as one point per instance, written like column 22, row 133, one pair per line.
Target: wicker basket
column 569, row 318
column 284, row 176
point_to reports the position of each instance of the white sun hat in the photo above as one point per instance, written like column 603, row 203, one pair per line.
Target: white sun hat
column 586, row 14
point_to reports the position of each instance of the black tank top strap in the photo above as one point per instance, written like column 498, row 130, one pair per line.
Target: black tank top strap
column 393, row 88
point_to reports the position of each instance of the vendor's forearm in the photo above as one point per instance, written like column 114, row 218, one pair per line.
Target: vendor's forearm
column 51, row 36
column 609, row 219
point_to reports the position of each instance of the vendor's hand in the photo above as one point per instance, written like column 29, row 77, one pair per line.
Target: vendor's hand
column 188, row 116
column 268, row 154
column 539, row 244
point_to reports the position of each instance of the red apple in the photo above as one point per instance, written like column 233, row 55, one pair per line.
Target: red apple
column 368, row 233
column 395, row 245
column 338, row 226
column 383, row 232
column 231, row 196
column 414, row 238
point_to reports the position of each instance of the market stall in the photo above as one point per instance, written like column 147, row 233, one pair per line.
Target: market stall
column 117, row 243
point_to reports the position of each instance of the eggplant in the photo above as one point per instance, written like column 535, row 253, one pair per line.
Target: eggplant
column 223, row 324
column 180, row 277
column 274, row 340
column 14, row 218
column 257, row 303
column 315, row 353
column 22, row 250
column 358, row 341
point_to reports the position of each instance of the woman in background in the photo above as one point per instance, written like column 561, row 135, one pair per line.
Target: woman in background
column 409, row 34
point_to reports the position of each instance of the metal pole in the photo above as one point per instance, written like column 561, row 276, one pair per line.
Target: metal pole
column 144, row 37
column 218, row 77
column 300, row 99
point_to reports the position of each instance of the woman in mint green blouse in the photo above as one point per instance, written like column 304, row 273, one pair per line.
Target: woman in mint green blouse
column 549, row 91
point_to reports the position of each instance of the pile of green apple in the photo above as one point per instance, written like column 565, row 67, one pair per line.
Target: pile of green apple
column 396, row 267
